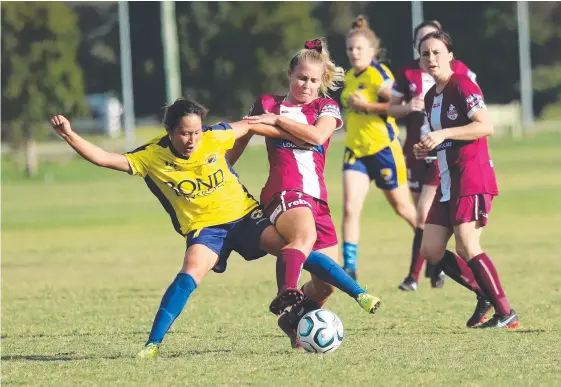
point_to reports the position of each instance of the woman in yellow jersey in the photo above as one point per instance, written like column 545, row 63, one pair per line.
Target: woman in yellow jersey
column 373, row 151
column 187, row 171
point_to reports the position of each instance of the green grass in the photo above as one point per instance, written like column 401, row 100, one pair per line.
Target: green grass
column 87, row 254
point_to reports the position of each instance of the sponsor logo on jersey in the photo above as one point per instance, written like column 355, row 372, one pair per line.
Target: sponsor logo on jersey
column 444, row 145
column 194, row 188
column 474, row 100
column 331, row 109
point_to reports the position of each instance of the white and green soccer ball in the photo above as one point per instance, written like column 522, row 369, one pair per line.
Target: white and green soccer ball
column 320, row 331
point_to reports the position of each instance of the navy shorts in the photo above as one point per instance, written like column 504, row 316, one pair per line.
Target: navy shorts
column 242, row 236
column 386, row 167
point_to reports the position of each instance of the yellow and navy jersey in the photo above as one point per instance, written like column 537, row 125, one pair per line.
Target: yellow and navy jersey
column 198, row 191
column 367, row 134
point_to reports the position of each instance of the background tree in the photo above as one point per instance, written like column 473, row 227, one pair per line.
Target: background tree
column 40, row 74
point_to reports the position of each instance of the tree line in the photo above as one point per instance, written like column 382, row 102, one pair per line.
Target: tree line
column 54, row 53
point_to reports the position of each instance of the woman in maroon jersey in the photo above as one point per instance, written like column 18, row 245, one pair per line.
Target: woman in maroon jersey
column 407, row 103
column 459, row 124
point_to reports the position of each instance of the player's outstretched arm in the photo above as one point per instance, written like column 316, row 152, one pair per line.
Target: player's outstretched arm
column 316, row 134
column 245, row 127
column 234, row 154
column 86, row 149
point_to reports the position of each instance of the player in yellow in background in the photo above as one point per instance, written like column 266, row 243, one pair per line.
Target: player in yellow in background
column 373, row 151
column 187, row 171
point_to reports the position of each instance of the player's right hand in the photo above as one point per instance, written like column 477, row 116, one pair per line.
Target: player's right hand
column 61, row 125
column 417, row 104
column 420, row 151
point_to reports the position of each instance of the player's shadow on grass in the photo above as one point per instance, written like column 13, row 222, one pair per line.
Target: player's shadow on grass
column 530, row 331
column 68, row 356
column 199, row 352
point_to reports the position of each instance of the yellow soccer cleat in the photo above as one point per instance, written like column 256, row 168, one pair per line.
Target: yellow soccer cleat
column 150, row 351
column 368, row 302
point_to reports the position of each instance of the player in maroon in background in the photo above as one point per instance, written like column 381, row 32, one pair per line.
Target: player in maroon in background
column 459, row 124
column 295, row 194
column 407, row 103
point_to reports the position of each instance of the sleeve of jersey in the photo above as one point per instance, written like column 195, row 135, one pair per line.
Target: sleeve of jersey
column 257, row 108
column 471, row 98
column 382, row 78
column 222, row 134
column 139, row 160
column 331, row 109
column 401, row 85
column 461, row 68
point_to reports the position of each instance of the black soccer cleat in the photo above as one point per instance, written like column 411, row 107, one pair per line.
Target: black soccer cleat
column 478, row 317
column 497, row 321
column 437, row 280
column 289, row 328
column 350, row 272
column 286, row 298
column 409, row 284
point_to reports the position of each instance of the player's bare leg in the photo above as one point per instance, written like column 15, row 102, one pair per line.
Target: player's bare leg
column 197, row 262
column 355, row 188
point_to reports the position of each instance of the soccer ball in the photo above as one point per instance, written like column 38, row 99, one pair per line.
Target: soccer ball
column 320, row 331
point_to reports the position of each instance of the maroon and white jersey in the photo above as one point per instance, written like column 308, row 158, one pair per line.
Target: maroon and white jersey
column 465, row 166
column 291, row 168
column 412, row 81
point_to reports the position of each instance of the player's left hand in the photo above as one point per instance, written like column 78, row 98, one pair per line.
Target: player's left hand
column 432, row 140
column 267, row 119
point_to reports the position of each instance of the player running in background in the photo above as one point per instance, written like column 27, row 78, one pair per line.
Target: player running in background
column 295, row 195
column 187, row 171
column 373, row 151
column 407, row 102
column 459, row 124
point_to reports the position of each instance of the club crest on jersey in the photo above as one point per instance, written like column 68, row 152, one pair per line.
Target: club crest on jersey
column 257, row 214
column 172, row 166
column 211, row 158
column 452, row 113
column 386, row 174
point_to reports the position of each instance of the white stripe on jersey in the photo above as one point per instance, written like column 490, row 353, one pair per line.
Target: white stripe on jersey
column 307, row 168
column 441, row 154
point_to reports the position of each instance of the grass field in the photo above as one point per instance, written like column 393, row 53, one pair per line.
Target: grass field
column 87, row 254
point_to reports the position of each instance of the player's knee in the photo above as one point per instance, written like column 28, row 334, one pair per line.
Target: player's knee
column 351, row 210
column 304, row 241
column 467, row 251
column 432, row 252
column 403, row 209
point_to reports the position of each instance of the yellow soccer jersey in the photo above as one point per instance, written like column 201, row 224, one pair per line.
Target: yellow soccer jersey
column 367, row 134
column 199, row 191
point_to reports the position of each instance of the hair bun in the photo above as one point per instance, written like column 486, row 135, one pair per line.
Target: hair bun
column 360, row 22
column 437, row 23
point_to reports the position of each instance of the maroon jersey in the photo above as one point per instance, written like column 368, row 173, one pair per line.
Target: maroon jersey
column 465, row 166
column 412, row 81
column 291, row 168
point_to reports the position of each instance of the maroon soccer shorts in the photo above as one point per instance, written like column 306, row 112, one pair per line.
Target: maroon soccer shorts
column 464, row 209
column 286, row 200
column 420, row 173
